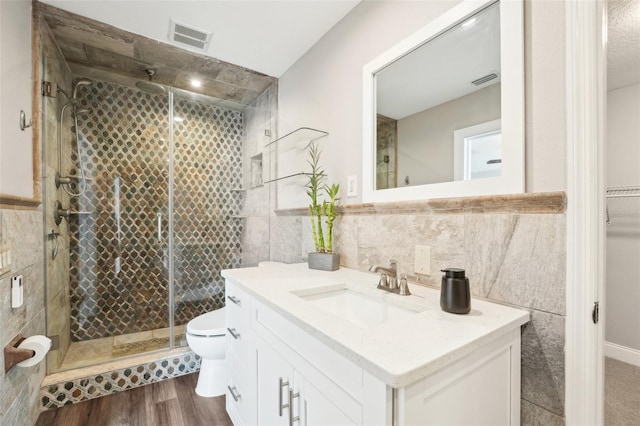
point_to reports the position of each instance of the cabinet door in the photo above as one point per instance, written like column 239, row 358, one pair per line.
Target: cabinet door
column 318, row 409
column 275, row 379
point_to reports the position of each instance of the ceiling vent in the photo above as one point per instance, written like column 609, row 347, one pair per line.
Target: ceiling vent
column 192, row 37
column 485, row 79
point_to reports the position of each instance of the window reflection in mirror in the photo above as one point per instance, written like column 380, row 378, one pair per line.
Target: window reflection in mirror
column 450, row 83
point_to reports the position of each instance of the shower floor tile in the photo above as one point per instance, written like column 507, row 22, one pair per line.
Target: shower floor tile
column 96, row 351
column 89, row 352
column 132, row 338
column 163, row 333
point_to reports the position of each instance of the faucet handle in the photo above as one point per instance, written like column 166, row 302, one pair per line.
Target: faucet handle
column 384, row 281
column 403, row 290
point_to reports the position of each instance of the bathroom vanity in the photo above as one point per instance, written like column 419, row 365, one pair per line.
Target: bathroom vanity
column 309, row 347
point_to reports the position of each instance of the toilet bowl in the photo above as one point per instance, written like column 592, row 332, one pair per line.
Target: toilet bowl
column 206, row 337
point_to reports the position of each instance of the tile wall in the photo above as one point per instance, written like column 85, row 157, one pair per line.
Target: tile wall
column 260, row 122
column 511, row 256
column 22, row 231
column 55, row 70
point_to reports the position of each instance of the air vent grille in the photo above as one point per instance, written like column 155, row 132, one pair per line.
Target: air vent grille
column 485, row 79
column 189, row 36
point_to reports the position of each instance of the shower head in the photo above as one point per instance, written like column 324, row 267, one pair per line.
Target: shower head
column 149, row 86
column 81, row 82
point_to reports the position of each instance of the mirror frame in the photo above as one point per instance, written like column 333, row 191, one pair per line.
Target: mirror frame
column 512, row 179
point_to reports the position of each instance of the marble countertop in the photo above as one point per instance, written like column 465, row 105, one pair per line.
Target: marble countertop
column 398, row 352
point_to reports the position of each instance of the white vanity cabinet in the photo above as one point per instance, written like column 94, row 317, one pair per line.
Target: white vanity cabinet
column 283, row 374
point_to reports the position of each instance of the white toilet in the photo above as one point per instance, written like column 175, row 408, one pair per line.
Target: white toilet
column 206, row 337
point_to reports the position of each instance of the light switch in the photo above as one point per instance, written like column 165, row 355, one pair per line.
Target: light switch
column 423, row 260
column 352, row 186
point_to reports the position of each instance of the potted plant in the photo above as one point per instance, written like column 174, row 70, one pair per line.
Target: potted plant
column 323, row 258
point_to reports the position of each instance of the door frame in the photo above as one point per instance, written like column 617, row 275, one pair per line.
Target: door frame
column 586, row 121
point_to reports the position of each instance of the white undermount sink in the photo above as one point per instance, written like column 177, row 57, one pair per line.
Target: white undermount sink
column 362, row 307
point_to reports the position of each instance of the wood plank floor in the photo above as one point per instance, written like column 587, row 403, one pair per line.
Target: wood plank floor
column 168, row 403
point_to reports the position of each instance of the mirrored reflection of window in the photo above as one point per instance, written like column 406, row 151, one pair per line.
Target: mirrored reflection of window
column 477, row 151
column 483, row 155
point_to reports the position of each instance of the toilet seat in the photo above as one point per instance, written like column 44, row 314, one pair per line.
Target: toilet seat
column 209, row 324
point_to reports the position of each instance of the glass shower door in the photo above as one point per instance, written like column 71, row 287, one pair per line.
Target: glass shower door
column 117, row 223
column 206, row 223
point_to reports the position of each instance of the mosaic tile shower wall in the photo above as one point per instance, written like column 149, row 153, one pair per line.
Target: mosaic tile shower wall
column 119, row 241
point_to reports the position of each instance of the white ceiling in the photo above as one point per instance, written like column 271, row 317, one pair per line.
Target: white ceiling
column 623, row 49
column 265, row 36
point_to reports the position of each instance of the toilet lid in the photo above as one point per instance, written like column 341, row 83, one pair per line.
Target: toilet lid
column 209, row 324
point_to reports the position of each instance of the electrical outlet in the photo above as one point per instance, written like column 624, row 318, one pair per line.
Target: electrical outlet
column 423, row 260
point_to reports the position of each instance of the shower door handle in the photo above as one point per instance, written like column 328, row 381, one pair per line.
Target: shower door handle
column 159, row 227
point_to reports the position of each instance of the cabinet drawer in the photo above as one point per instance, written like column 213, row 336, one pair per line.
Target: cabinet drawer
column 238, row 304
column 239, row 343
column 240, row 402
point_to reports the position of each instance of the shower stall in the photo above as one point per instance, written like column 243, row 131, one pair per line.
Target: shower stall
column 148, row 196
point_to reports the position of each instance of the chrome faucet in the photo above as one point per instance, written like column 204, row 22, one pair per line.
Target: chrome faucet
column 389, row 278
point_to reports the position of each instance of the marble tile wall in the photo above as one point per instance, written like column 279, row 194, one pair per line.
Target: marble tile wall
column 22, row 231
column 510, row 257
column 55, row 70
column 259, row 118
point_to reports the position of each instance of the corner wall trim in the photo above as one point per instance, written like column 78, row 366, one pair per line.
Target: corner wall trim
column 585, row 123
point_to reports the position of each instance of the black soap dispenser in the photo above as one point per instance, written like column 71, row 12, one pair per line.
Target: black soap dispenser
column 455, row 296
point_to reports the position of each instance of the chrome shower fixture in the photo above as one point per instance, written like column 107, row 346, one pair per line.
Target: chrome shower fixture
column 81, row 82
column 149, row 86
column 78, row 112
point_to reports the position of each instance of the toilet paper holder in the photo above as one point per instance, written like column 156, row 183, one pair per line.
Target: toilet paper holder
column 13, row 355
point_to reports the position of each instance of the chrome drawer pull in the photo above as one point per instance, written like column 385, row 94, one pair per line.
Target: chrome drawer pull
column 282, row 384
column 236, row 396
column 291, row 397
column 235, row 300
column 234, row 333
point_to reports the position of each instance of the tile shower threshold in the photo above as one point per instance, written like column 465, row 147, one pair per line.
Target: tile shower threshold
column 108, row 366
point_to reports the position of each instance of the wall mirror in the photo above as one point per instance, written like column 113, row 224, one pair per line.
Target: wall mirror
column 444, row 108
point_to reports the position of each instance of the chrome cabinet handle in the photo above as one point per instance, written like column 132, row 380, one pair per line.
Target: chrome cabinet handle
column 282, row 384
column 234, row 333
column 235, row 300
column 291, row 397
column 236, row 396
